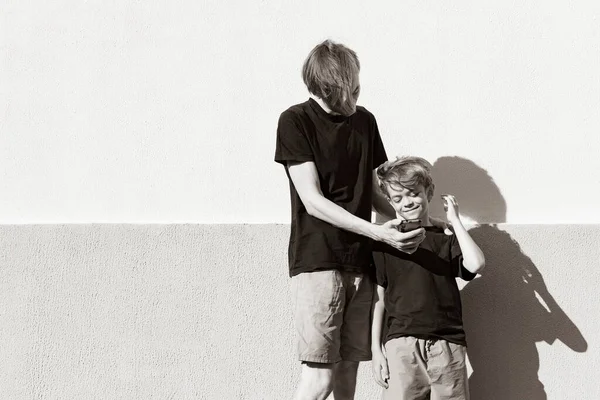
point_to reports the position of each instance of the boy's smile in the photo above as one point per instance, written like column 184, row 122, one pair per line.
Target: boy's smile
column 410, row 203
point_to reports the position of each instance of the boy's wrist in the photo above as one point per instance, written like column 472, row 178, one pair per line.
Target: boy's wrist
column 376, row 349
column 455, row 221
column 374, row 232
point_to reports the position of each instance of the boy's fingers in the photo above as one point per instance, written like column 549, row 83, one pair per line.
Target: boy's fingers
column 377, row 375
column 380, row 372
column 385, row 382
column 393, row 223
column 413, row 240
column 381, row 381
column 409, row 250
column 412, row 234
column 385, row 372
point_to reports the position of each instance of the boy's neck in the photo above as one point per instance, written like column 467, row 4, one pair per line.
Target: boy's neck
column 426, row 221
column 324, row 106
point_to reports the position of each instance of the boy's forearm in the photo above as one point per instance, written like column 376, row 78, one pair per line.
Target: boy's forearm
column 473, row 257
column 376, row 340
column 378, row 311
column 305, row 179
column 326, row 210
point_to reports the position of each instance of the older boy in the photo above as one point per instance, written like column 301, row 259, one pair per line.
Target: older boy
column 330, row 148
column 422, row 330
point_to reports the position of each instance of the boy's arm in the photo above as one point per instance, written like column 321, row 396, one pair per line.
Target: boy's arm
column 379, row 363
column 473, row 258
column 305, row 178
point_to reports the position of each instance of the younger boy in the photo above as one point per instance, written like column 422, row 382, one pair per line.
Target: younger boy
column 417, row 314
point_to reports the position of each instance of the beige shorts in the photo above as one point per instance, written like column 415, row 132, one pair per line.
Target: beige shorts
column 426, row 369
column 332, row 313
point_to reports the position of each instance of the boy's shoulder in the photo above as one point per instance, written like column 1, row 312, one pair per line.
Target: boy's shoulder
column 361, row 110
column 295, row 111
column 439, row 241
column 441, row 234
column 302, row 110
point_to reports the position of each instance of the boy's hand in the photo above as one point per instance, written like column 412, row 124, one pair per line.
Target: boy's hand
column 406, row 242
column 380, row 369
column 451, row 207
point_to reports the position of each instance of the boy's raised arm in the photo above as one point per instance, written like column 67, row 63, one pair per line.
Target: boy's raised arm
column 473, row 258
column 379, row 363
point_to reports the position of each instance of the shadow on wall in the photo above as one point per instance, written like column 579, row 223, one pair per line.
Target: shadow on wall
column 502, row 315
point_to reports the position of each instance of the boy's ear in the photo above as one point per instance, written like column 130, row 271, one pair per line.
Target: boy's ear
column 430, row 191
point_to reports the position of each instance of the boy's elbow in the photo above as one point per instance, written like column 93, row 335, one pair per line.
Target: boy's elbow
column 310, row 208
column 481, row 261
column 474, row 266
column 478, row 267
column 311, row 203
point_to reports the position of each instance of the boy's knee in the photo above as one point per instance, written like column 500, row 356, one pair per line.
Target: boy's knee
column 345, row 371
column 319, row 376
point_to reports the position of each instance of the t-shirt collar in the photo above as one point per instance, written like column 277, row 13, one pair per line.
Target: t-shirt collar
column 324, row 114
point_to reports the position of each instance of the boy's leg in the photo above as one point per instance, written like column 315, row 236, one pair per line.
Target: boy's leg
column 316, row 381
column 355, row 341
column 318, row 301
column 344, row 380
column 448, row 371
column 408, row 370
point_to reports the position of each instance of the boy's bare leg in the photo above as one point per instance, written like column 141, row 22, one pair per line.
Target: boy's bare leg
column 316, row 381
column 344, row 382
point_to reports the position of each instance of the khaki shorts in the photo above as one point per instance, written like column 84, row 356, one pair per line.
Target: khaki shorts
column 332, row 313
column 426, row 369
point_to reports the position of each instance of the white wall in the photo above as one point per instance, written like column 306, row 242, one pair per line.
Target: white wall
column 166, row 112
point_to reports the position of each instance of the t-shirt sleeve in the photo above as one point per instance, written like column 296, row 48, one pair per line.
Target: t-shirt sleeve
column 380, row 275
column 292, row 144
column 379, row 154
column 456, row 258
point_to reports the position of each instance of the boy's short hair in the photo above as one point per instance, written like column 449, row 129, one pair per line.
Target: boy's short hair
column 406, row 172
column 329, row 72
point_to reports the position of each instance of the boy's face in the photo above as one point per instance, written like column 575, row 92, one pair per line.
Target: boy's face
column 347, row 105
column 409, row 203
column 355, row 92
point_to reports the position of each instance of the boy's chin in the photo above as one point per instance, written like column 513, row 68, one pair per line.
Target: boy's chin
column 411, row 216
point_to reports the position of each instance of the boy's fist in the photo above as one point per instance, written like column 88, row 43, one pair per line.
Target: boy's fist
column 380, row 369
column 450, row 206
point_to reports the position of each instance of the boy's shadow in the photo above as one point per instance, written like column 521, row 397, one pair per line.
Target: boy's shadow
column 502, row 315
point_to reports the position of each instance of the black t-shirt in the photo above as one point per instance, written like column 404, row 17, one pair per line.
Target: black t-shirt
column 345, row 151
column 421, row 295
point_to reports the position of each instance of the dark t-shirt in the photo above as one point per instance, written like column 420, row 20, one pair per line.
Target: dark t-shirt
column 421, row 295
column 345, row 151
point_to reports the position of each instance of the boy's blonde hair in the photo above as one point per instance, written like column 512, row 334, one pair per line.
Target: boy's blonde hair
column 329, row 72
column 406, row 172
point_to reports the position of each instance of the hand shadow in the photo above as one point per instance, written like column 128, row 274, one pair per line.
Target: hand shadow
column 502, row 315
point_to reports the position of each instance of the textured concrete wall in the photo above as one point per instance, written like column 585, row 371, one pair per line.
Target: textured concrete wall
column 203, row 312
